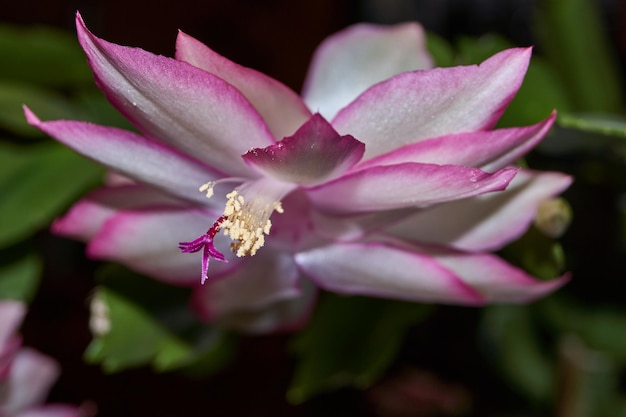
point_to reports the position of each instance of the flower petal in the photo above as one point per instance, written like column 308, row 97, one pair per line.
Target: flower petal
column 54, row 410
column 264, row 294
column 11, row 315
column 382, row 270
column 421, row 273
column 424, row 104
column 349, row 62
column 315, row 153
column 284, row 315
column 177, row 103
column 32, row 376
column 257, row 282
column 147, row 241
column 406, row 185
column 282, row 109
column 85, row 218
column 130, row 154
column 487, row 150
column 486, row 222
column 496, row 280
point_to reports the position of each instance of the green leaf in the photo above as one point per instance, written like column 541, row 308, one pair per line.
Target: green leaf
column 134, row 338
column 151, row 324
column 350, row 342
column 12, row 159
column 44, row 103
column 39, row 185
column 19, row 277
column 573, row 39
column 42, row 56
column 599, row 123
column 513, row 344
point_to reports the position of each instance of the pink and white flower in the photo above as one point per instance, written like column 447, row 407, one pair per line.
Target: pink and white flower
column 26, row 375
column 386, row 178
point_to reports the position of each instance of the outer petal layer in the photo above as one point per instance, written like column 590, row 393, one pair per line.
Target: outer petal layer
column 424, row 104
column 486, row 222
column 32, row 376
column 487, row 150
column 349, row 62
column 249, row 297
column 378, row 269
column 315, row 153
column 283, row 315
column 406, row 185
column 264, row 294
column 132, row 155
column 85, row 218
column 400, row 271
column 182, row 105
column 53, row 410
column 11, row 315
column 281, row 108
column 496, row 280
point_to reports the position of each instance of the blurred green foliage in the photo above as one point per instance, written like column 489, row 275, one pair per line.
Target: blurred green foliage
column 38, row 184
column 43, row 57
column 152, row 324
column 573, row 39
column 39, row 179
column 19, row 275
column 350, row 342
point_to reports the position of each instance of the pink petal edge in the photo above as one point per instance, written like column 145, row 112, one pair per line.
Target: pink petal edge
column 352, row 60
column 177, row 103
column 281, row 108
column 486, row 222
column 147, row 240
column 487, row 150
column 383, row 270
column 140, row 158
column 418, row 105
column 314, row 154
column 406, row 185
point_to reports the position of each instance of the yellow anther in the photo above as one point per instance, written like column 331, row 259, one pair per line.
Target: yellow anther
column 246, row 223
column 208, row 188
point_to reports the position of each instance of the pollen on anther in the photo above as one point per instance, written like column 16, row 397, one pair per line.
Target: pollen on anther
column 246, row 224
column 208, row 188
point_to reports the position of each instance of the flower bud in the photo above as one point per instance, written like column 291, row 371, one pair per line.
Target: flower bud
column 553, row 217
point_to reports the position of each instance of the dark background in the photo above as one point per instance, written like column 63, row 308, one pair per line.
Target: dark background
column 278, row 36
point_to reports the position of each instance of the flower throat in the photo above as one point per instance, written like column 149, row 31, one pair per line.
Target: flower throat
column 245, row 221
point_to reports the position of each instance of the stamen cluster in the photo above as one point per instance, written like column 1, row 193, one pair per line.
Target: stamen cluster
column 246, row 223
